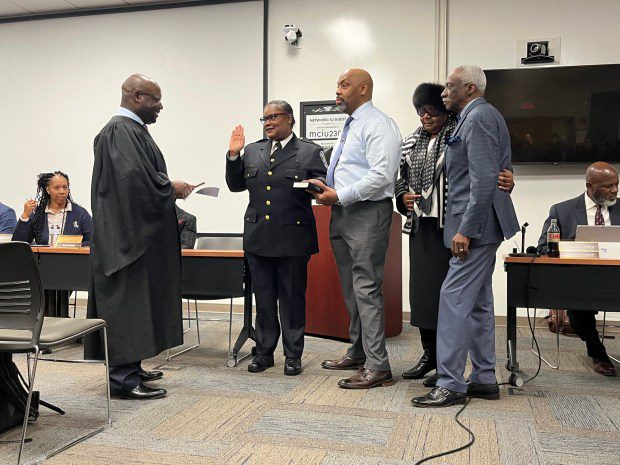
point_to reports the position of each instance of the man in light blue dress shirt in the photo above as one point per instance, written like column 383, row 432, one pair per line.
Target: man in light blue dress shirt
column 360, row 187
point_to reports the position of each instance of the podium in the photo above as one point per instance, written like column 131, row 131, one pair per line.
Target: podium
column 326, row 313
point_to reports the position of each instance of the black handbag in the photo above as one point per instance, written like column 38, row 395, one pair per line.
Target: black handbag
column 14, row 396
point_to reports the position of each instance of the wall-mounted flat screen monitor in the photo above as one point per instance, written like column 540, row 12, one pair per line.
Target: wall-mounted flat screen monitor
column 567, row 114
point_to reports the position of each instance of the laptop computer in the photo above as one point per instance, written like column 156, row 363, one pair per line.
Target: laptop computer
column 587, row 233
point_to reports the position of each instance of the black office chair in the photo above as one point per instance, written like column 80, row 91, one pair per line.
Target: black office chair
column 24, row 328
column 211, row 241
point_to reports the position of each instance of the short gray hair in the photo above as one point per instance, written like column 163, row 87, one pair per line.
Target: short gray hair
column 472, row 74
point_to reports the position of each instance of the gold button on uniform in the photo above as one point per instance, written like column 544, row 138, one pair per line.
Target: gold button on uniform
column 271, row 160
column 268, row 188
column 267, row 217
column 296, row 177
column 269, row 173
column 298, row 222
column 268, row 202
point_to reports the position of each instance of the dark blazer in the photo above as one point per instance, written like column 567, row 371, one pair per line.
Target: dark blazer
column 278, row 221
column 78, row 221
column 187, row 228
column 479, row 149
column 569, row 214
column 8, row 219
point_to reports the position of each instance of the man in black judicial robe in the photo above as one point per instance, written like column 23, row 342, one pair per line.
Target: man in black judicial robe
column 135, row 251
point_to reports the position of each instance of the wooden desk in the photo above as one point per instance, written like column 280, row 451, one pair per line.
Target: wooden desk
column 326, row 313
column 205, row 273
column 544, row 282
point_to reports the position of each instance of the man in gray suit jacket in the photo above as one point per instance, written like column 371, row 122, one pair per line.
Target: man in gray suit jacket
column 594, row 207
column 478, row 218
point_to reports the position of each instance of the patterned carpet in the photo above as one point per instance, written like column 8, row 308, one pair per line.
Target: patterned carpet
column 219, row 415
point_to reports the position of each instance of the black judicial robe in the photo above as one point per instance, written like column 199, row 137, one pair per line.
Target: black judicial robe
column 135, row 251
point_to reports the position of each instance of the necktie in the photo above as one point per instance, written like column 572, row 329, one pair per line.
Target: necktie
column 275, row 150
column 335, row 156
column 598, row 217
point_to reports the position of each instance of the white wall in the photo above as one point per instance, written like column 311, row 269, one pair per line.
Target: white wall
column 394, row 40
column 61, row 80
column 484, row 32
column 194, row 53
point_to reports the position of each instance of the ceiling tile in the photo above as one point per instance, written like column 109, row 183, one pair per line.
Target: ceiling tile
column 84, row 4
column 136, row 2
column 43, row 6
column 10, row 9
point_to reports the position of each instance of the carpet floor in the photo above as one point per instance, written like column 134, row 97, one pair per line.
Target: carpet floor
column 219, row 415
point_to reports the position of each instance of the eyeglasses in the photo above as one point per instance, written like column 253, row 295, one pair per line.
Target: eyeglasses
column 157, row 99
column 271, row 117
column 431, row 111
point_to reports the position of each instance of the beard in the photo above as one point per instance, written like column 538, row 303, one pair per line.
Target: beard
column 342, row 106
column 604, row 202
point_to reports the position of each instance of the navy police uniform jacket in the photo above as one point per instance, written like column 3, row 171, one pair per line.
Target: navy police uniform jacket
column 278, row 221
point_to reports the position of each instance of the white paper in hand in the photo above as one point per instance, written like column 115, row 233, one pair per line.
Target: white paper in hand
column 210, row 191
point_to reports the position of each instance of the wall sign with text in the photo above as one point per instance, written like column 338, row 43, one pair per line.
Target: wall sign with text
column 322, row 122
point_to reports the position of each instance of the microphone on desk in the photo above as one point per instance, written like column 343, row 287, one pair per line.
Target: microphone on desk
column 531, row 250
column 525, row 225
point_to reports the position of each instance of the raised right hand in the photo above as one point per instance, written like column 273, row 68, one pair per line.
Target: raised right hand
column 29, row 207
column 409, row 198
column 237, row 141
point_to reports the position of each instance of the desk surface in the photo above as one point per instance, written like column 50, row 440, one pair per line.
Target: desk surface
column 562, row 261
column 184, row 252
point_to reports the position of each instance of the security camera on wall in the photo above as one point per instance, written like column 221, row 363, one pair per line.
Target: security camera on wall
column 292, row 34
column 538, row 52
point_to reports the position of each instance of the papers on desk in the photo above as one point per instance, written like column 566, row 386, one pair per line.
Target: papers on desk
column 5, row 238
column 210, row 191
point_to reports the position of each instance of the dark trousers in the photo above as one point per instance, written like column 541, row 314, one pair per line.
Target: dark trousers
column 124, row 378
column 279, row 280
column 429, row 342
column 584, row 324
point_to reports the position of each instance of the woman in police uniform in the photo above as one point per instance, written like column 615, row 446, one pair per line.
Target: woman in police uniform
column 279, row 229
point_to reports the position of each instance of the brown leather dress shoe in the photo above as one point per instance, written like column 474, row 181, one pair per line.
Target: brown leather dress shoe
column 345, row 363
column 605, row 368
column 366, row 379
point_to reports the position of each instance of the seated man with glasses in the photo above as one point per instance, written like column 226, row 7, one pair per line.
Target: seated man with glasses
column 279, row 229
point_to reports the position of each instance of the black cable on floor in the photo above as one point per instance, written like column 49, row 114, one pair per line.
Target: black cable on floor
column 472, row 438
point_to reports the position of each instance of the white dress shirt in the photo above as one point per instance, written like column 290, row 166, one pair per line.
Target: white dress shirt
column 370, row 157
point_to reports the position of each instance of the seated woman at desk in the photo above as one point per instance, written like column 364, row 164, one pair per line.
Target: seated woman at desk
column 53, row 213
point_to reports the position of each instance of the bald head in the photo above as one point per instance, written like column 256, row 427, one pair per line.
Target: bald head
column 353, row 90
column 142, row 95
column 602, row 183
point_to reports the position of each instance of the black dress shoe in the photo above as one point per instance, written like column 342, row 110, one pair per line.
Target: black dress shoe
column 150, row 375
column 260, row 363
column 483, row 391
column 292, row 366
column 425, row 365
column 604, row 367
column 439, row 397
column 142, row 391
column 431, row 381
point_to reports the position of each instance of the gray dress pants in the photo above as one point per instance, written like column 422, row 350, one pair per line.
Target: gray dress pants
column 467, row 320
column 359, row 235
